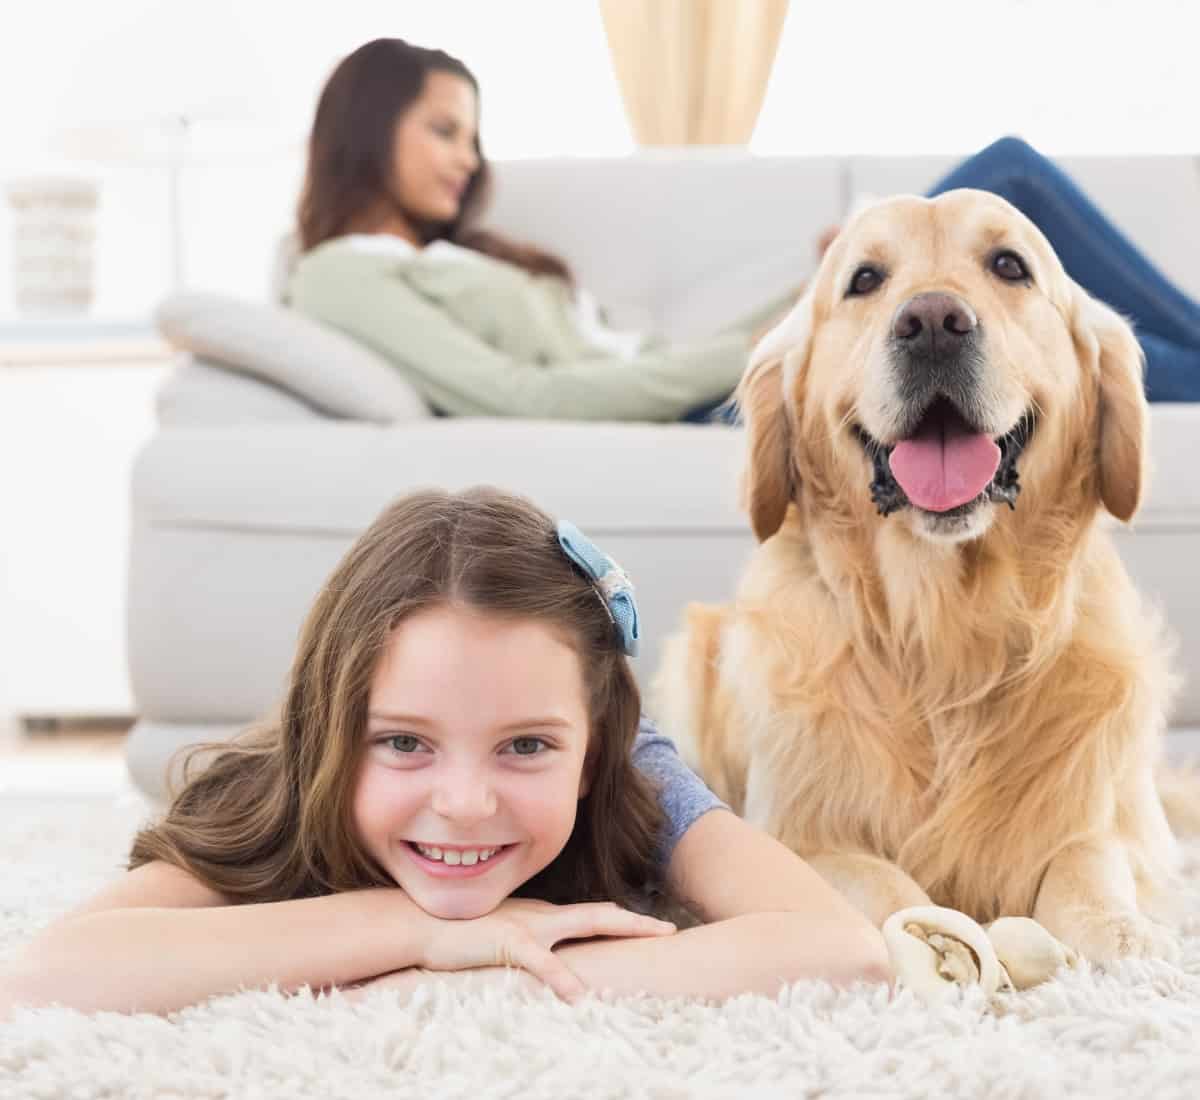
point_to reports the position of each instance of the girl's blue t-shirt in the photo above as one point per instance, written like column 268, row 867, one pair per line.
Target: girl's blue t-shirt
column 681, row 792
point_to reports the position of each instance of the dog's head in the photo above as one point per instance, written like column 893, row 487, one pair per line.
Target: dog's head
column 940, row 362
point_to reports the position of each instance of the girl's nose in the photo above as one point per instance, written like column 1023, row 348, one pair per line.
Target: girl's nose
column 464, row 799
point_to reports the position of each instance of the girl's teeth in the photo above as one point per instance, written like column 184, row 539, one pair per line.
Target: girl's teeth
column 467, row 858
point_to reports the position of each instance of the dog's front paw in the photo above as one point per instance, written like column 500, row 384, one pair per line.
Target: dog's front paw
column 1103, row 937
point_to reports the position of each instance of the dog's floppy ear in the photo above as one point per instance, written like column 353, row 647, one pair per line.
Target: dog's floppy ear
column 770, row 481
column 1122, row 422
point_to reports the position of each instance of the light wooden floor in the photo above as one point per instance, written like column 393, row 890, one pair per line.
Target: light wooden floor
column 70, row 739
column 72, row 758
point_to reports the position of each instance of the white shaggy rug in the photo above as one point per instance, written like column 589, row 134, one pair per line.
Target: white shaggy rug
column 1131, row 1033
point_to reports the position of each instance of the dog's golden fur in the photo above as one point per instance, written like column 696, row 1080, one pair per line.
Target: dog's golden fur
column 967, row 712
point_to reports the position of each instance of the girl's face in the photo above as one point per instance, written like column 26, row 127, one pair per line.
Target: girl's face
column 473, row 768
column 433, row 152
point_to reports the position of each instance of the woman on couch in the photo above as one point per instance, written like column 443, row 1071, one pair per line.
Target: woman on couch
column 393, row 255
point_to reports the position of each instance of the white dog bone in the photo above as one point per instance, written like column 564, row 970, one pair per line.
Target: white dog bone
column 1028, row 952
column 935, row 950
column 956, row 963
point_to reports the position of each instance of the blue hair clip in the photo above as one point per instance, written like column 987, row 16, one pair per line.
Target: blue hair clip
column 611, row 581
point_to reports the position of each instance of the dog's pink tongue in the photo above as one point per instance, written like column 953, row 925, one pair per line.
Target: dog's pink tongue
column 945, row 464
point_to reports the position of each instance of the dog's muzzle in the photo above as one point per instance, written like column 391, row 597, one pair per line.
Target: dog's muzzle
column 935, row 349
column 1004, row 487
column 942, row 462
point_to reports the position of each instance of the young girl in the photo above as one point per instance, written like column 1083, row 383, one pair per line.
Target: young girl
column 457, row 780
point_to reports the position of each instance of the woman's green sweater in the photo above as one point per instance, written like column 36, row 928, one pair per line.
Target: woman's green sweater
column 480, row 337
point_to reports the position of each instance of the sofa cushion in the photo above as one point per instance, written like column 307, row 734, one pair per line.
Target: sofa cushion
column 332, row 476
column 330, row 371
column 336, row 477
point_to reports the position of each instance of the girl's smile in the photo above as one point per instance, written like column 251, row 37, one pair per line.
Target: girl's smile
column 457, row 862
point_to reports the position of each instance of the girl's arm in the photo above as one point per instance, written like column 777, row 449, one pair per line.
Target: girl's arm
column 774, row 920
column 158, row 939
column 724, row 867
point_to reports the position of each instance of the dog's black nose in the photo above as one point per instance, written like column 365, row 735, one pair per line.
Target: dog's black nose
column 934, row 323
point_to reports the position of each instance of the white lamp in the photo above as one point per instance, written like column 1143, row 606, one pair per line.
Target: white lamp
column 146, row 88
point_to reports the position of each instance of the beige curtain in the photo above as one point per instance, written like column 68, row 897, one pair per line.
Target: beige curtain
column 693, row 72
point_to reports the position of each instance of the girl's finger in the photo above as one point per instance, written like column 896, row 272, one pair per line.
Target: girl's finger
column 546, row 966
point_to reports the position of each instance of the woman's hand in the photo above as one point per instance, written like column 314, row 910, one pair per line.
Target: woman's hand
column 796, row 294
column 521, row 932
column 826, row 239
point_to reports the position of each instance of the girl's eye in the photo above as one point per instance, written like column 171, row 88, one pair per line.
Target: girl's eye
column 1009, row 266
column 403, row 743
column 527, row 746
column 864, row 280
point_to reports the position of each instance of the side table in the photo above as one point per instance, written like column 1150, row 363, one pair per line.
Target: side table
column 76, row 404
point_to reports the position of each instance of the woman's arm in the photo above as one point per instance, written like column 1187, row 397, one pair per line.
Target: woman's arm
column 157, row 940
column 774, row 920
column 457, row 371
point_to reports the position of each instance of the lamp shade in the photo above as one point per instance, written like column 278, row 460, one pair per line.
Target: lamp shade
column 161, row 62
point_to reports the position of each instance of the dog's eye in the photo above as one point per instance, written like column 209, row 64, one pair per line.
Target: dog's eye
column 1009, row 266
column 864, row 280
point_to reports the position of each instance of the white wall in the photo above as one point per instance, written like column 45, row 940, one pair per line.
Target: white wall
column 947, row 76
column 872, row 76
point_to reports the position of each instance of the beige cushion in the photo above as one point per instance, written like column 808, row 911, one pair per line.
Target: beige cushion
column 326, row 368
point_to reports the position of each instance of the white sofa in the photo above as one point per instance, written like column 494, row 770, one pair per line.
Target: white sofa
column 279, row 443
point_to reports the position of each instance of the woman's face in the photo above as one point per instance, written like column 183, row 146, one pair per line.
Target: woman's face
column 433, row 152
column 473, row 769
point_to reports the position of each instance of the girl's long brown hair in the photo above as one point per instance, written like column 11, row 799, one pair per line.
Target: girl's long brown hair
column 269, row 818
column 349, row 168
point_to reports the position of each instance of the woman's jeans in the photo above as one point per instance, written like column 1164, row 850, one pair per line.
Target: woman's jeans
column 1098, row 257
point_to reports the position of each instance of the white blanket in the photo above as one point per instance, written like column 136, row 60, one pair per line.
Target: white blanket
column 1134, row 1032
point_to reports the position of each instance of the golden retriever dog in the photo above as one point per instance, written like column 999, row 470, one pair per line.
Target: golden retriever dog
column 936, row 682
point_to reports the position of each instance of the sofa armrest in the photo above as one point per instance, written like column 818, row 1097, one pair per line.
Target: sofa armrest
column 323, row 368
column 199, row 392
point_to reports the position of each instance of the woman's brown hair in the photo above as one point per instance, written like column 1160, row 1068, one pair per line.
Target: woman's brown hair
column 349, row 167
column 269, row 818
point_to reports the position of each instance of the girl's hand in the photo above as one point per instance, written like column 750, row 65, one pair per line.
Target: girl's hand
column 521, row 932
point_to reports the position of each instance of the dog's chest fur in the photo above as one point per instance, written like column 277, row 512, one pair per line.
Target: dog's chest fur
column 952, row 742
